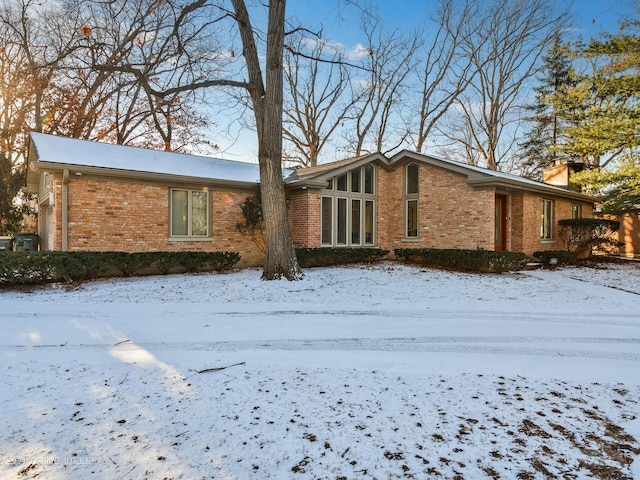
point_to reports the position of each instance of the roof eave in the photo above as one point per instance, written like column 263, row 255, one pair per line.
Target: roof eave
column 139, row 175
column 332, row 172
column 507, row 184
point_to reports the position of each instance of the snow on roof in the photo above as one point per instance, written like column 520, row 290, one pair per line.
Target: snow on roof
column 85, row 153
column 492, row 173
column 494, row 176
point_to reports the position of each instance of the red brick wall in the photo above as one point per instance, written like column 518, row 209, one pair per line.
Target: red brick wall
column 113, row 215
column 451, row 213
column 526, row 218
column 108, row 215
column 304, row 218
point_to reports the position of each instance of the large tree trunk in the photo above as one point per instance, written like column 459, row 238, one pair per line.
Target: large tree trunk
column 280, row 260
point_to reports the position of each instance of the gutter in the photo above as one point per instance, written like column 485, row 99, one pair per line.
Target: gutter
column 167, row 178
column 541, row 189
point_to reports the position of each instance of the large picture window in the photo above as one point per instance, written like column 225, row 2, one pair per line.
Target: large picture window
column 189, row 213
column 348, row 210
column 546, row 220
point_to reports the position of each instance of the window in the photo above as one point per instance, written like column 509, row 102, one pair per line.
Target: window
column 546, row 224
column 189, row 213
column 341, row 182
column 412, row 179
column 412, row 219
column 412, row 186
column 355, row 180
column 326, row 220
column 347, row 213
column 342, row 221
column 575, row 211
column 368, row 178
column 368, row 222
column 355, row 221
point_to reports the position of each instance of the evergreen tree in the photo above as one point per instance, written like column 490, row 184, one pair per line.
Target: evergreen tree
column 547, row 132
column 11, row 210
column 609, row 131
column 607, row 104
column 620, row 186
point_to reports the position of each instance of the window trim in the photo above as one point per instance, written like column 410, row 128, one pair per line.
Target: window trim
column 190, row 236
column 547, row 223
column 331, row 198
column 406, row 179
column 576, row 210
column 348, row 195
column 406, row 218
column 411, row 197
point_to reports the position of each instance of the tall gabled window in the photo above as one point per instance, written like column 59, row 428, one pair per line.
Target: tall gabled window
column 412, row 188
column 368, row 179
column 546, row 220
column 348, row 209
column 189, row 213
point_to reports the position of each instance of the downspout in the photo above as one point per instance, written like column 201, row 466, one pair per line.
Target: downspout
column 65, row 204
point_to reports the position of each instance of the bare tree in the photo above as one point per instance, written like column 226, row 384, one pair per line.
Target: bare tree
column 446, row 72
column 267, row 101
column 70, row 83
column 154, row 57
column 190, row 29
column 32, row 56
column 504, row 44
column 320, row 98
column 388, row 61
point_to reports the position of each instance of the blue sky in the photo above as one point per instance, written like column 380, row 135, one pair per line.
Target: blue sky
column 341, row 21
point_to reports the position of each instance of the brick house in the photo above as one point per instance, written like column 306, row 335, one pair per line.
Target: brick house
column 103, row 197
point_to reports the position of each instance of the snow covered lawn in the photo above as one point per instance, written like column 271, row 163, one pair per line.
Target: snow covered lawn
column 385, row 371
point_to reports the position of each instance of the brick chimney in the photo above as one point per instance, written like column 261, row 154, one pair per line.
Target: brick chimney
column 559, row 173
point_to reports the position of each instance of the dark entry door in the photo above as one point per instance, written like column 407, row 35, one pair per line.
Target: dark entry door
column 501, row 223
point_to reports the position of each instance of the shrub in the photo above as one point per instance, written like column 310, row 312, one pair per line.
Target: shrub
column 464, row 260
column 253, row 220
column 40, row 267
column 325, row 256
column 582, row 235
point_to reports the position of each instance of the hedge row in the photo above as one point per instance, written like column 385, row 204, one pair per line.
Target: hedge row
column 326, row 256
column 40, row 267
column 464, row 260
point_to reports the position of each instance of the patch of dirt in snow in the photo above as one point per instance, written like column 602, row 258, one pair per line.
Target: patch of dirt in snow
column 248, row 422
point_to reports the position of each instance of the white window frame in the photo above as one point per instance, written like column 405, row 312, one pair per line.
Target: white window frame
column 190, row 235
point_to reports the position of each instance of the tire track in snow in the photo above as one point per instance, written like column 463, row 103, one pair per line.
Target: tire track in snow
column 612, row 348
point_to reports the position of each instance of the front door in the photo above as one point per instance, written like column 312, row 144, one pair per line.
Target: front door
column 500, row 240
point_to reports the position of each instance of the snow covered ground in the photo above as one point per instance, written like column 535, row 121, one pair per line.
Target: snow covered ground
column 385, row 371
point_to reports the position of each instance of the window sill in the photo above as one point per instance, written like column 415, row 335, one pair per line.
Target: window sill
column 547, row 241
column 410, row 239
column 190, row 239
